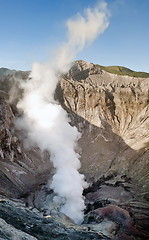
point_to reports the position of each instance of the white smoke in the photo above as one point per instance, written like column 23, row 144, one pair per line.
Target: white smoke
column 82, row 30
column 47, row 123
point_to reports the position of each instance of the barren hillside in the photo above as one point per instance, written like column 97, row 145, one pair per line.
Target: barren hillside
column 112, row 114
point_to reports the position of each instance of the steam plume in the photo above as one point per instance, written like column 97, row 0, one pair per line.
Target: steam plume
column 47, row 123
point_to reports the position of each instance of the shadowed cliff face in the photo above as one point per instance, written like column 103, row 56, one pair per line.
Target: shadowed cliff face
column 20, row 168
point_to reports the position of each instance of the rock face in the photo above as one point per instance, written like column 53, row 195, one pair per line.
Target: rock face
column 111, row 112
column 32, row 225
column 18, row 174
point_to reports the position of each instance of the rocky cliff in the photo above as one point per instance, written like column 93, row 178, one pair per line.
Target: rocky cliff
column 111, row 112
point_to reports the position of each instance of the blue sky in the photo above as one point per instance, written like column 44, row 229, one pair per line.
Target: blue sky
column 31, row 29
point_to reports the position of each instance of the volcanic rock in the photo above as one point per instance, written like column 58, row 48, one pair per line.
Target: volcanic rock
column 111, row 112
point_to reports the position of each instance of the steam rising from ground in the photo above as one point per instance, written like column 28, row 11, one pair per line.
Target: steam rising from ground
column 47, row 123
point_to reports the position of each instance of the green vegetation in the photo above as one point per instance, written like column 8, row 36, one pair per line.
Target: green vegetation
column 119, row 70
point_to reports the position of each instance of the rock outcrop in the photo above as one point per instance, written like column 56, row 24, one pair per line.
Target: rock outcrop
column 18, row 222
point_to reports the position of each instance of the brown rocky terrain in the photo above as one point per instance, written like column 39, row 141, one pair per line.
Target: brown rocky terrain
column 111, row 112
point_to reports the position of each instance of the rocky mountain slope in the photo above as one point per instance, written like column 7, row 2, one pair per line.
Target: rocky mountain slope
column 111, row 112
column 119, row 70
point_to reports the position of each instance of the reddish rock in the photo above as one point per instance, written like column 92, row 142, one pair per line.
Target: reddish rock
column 118, row 215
